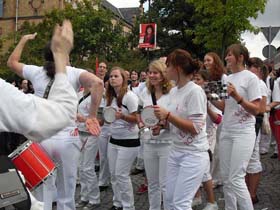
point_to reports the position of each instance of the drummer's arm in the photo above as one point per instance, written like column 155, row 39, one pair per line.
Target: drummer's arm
column 131, row 118
column 96, row 88
column 220, row 104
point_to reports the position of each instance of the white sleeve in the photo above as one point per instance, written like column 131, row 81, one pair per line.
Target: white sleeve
column 276, row 91
column 254, row 91
column 29, row 71
column 131, row 101
column 35, row 117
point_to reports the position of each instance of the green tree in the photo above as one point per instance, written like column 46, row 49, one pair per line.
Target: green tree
column 94, row 36
column 223, row 21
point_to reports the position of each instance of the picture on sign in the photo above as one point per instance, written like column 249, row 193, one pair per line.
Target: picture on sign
column 147, row 35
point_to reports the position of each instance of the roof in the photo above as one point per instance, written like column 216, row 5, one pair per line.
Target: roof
column 127, row 14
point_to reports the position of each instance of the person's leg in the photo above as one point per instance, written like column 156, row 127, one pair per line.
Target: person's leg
column 112, row 158
column 125, row 159
column 225, row 151
column 151, row 162
column 104, row 172
column 68, row 155
column 242, row 149
column 254, row 171
column 192, row 167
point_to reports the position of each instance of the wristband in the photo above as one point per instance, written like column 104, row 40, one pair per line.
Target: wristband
column 240, row 101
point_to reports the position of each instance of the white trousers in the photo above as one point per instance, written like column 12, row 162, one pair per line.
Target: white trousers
column 235, row 152
column 65, row 151
column 120, row 163
column 155, row 159
column 215, row 164
column 88, row 179
column 255, row 165
column 140, row 159
column 185, row 170
column 104, row 172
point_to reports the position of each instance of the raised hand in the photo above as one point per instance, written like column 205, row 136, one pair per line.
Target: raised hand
column 29, row 36
column 62, row 39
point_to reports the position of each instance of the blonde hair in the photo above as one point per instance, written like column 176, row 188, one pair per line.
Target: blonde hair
column 165, row 83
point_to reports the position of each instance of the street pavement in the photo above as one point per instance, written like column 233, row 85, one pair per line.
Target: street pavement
column 268, row 192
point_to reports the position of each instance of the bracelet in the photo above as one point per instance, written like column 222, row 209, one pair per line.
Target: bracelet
column 240, row 101
column 167, row 116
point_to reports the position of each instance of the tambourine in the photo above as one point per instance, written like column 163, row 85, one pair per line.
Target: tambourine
column 148, row 117
column 109, row 114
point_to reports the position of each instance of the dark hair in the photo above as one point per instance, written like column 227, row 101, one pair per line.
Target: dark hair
column 237, row 50
column 258, row 63
column 151, row 27
column 49, row 61
column 204, row 74
column 183, row 59
column 217, row 70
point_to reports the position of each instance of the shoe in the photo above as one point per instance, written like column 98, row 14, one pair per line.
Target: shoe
column 136, row 171
column 274, row 156
column 116, row 208
column 103, row 188
column 196, row 201
column 255, row 200
column 81, row 204
column 92, row 206
column 211, row 206
column 142, row 189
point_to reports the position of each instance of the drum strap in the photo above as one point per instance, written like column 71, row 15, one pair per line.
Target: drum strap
column 12, row 188
column 48, row 88
column 84, row 97
column 154, row 99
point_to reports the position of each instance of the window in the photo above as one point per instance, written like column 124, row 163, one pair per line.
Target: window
column 1, row 8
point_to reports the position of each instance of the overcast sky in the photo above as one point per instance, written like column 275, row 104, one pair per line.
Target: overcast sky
column 254, row 43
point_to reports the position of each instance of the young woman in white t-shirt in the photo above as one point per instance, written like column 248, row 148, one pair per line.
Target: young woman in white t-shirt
column 124, row 141
column 254, row 169
column 188, row 157
column 158, row 141
column 217, row 71
column 237, row 138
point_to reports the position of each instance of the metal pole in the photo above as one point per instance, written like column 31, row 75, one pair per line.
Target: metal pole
column 16, row 16
column 269, row 42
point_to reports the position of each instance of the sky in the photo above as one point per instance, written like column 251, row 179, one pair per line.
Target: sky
column 254, row 43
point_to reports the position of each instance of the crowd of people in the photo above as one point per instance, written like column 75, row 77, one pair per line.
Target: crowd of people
column 197, row 139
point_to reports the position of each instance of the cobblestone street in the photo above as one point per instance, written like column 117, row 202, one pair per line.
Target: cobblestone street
column 268, row 193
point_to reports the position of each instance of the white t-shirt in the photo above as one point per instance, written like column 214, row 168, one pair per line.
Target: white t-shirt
column 35, row 117
column 188, row 101
column 236, row 119
column 263, row 88
column 145, row 99
column 84, row 109
column 211, row 127
column 121, row 129
column 39, row 79
column 276, row 92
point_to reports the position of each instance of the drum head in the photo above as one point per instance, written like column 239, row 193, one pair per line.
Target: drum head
column 20, row 149
column 109, row 114
column 148, row 117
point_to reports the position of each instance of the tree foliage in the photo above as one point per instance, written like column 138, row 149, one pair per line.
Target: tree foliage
column 94, row 36
column 223, row 21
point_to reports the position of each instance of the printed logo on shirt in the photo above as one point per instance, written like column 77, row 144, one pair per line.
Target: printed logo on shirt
column 242, row 115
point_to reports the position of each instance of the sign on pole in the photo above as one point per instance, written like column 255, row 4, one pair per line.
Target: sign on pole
column 270, row 33
column 148, row 35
